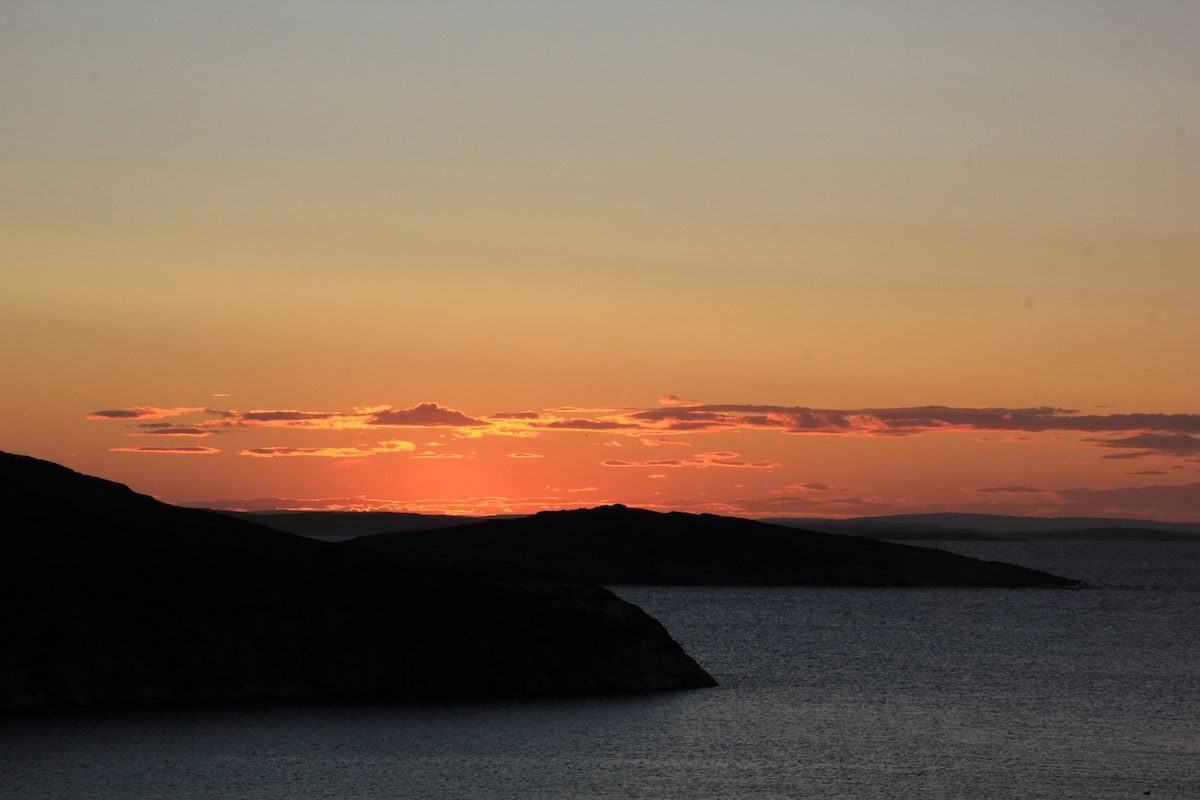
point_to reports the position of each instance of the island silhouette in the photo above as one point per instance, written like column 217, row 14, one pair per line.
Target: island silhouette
column 619, row 545
column 112, row 598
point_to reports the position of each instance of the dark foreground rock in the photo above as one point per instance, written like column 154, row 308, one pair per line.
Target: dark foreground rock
column 619, row 545
column 110, row 598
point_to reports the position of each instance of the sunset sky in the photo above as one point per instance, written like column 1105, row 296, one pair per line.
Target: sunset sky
column 769, row 258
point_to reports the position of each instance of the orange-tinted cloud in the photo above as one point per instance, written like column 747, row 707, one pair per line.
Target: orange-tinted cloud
column 464, row 506
column 168, row 451
column 395, row 446
column 525, row 455
column 1007, row 490
column 1143, row 433
column 285, row 418
column 142, row 412
column 700, row 461
column 321, row 452
column 584, row 424
column 674, row 400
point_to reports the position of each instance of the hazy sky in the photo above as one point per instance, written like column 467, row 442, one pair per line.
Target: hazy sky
column 809, row 223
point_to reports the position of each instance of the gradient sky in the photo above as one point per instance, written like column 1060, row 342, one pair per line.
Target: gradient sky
column 803, row 258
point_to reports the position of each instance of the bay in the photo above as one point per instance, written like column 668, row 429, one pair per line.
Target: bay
column 830, row 693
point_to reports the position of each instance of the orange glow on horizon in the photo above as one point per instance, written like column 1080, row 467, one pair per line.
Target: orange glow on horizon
column 744, row 459
column 926, row 261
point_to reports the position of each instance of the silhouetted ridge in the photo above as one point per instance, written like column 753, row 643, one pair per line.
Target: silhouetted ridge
column 108, row 597
column 961, row 526
column 619, row 545
column 912, row 527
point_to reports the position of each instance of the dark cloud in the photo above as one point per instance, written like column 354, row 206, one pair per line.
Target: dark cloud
column 585, row 425
column 1035, row 420
column 422, row 415
column 1178, row 503
column 794, row 418
column 1147, row 472
column 1140, row 434
column 680, row 415
column 1008, row 490
column 906, row 420
column 167, row 429
column 1173, row 444
column 284, row 416
column 698, row 418
column 525, row 455
column 142, row 412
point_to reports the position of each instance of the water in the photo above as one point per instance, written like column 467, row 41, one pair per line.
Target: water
column 825, row 693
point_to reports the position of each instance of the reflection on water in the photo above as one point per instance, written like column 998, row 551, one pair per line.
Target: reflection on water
column 825, row 693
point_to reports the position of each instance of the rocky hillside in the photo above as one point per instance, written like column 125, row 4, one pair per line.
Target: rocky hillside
column 110, row 598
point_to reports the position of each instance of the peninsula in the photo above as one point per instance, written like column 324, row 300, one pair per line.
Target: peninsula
column 111, row 598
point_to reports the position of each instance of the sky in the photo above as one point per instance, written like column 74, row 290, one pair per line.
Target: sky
column 795, row 258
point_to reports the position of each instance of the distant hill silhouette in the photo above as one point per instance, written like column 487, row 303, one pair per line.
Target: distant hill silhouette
column 958, row 526
column 619, row 545
column 900, row 527
column 108, row 597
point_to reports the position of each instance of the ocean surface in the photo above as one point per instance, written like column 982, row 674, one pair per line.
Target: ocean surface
column 825, row 693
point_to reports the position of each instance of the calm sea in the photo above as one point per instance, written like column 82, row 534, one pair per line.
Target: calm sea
column 825, row 693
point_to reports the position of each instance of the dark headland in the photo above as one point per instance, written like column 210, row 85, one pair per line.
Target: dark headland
column 341, row 525
column 111, row 598
column 620, row 545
